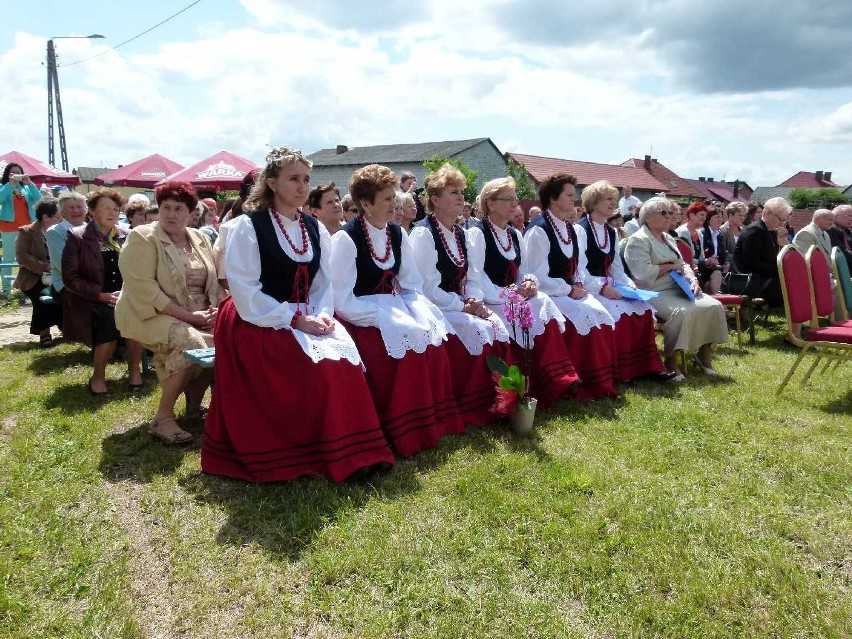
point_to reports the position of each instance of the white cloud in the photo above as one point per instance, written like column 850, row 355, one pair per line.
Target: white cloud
column 321, row 73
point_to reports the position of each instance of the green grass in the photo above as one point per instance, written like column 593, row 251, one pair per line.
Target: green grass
column 713, row 509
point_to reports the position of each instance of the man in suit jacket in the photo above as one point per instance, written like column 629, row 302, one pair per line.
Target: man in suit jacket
column 841, row 232
column 34, row 265
column 816, row 233
column 757, row 249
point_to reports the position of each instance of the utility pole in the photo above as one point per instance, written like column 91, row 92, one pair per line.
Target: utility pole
column 53, row 86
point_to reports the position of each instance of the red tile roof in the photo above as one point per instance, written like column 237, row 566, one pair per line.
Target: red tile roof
column 587, row 172
column 807, row 180
column 676, row 184
column 721, row 191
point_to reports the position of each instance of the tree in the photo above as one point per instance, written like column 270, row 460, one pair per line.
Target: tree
column 802, row 198
column 436, row 162
column 524, row 185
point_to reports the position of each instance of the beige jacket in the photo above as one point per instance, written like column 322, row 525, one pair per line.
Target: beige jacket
column 154, row 275
column 644, row 256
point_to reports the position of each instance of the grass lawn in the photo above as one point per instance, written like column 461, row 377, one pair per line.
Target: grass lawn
column 710, row 509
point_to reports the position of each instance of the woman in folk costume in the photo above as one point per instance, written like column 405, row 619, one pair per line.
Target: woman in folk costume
column 496, row 255
column 290, row 397
column 401, row 336
column 441, row 254
column 551, row 253
column 602, row 270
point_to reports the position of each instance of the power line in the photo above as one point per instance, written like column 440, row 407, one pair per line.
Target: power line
column 139, row 35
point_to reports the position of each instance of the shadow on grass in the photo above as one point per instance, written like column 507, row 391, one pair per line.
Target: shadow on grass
column 285, row 517
column 47, row 362
column 839, row 406
column 135, row 455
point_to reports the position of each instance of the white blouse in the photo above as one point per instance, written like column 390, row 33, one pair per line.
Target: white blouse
column 426, row 258
column 617, row 275
column 407, row 321
column 242, row 269
column 535, row 249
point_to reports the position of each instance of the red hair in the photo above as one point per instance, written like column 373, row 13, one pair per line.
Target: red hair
column 695, row 207
column 179, row 191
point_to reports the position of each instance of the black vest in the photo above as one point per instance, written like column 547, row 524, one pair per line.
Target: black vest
column 558, row 265
column 278, row 273
column 453, row 277
column 371, row 278
column 500, row 269
column 597, row 261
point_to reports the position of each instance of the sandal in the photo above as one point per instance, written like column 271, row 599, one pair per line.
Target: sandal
column 46, row 341
column 178, row 436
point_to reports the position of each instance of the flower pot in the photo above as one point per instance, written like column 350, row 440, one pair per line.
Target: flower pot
column 522, row 421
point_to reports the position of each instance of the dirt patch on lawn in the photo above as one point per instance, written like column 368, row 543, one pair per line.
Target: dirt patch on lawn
column 15, row 326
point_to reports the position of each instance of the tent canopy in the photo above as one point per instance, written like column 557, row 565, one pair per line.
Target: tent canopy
column 220, row 172
column 38, row 171
column 144, row 173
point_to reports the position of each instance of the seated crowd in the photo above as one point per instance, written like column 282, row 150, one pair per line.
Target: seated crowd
column 350, row 332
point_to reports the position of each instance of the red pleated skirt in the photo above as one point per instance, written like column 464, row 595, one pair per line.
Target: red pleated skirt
column 636, row 347
column 553, row 373
column 473, row 385
column 275, row 415
column 594, row 357
column 413, row 396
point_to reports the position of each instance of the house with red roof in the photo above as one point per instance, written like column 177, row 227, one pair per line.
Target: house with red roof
column 644, row 184
column 815, row 180
column 678, row 187
column 724, row 192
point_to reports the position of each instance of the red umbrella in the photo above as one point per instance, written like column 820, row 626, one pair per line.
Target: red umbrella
column 144, row 173
column 38, row 171
column 221, row 172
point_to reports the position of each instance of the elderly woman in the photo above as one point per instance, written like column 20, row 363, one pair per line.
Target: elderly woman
column 651, row 255
column 603, row 274
column 731, row 229
column 34, row 270
column 290, row 397
column 350, row 211
column 324, row 204
column 497, row 257
column 408, row 212
column 400, row 334
column 450, row 282
column 135, row 212
column 168, row 302
column 93, row 282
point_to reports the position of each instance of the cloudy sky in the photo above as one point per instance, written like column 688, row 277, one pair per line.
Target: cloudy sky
column 752, row 90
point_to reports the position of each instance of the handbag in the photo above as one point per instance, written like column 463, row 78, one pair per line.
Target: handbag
column 748, row 284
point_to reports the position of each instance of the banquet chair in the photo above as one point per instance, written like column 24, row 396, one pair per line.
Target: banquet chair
column 731, row 303
column 799, row 284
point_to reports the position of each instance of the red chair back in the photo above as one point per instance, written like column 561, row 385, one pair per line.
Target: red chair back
column 685, row 251
column 819, row 274
column 795, row 285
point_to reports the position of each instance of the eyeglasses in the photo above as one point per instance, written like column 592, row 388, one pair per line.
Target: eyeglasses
column 666, row 213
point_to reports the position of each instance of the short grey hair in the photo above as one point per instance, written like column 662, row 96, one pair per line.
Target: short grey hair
column 67, row 196
column 653, row 206
column 404, row 196
column 776, row 205
column 840, row 209
column 733, row 207
column 820, row 214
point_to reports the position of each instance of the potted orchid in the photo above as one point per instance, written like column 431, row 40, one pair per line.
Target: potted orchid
column 513, row 400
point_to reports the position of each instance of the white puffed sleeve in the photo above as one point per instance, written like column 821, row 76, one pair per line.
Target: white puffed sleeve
column 426, row 259
column 534, row 251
